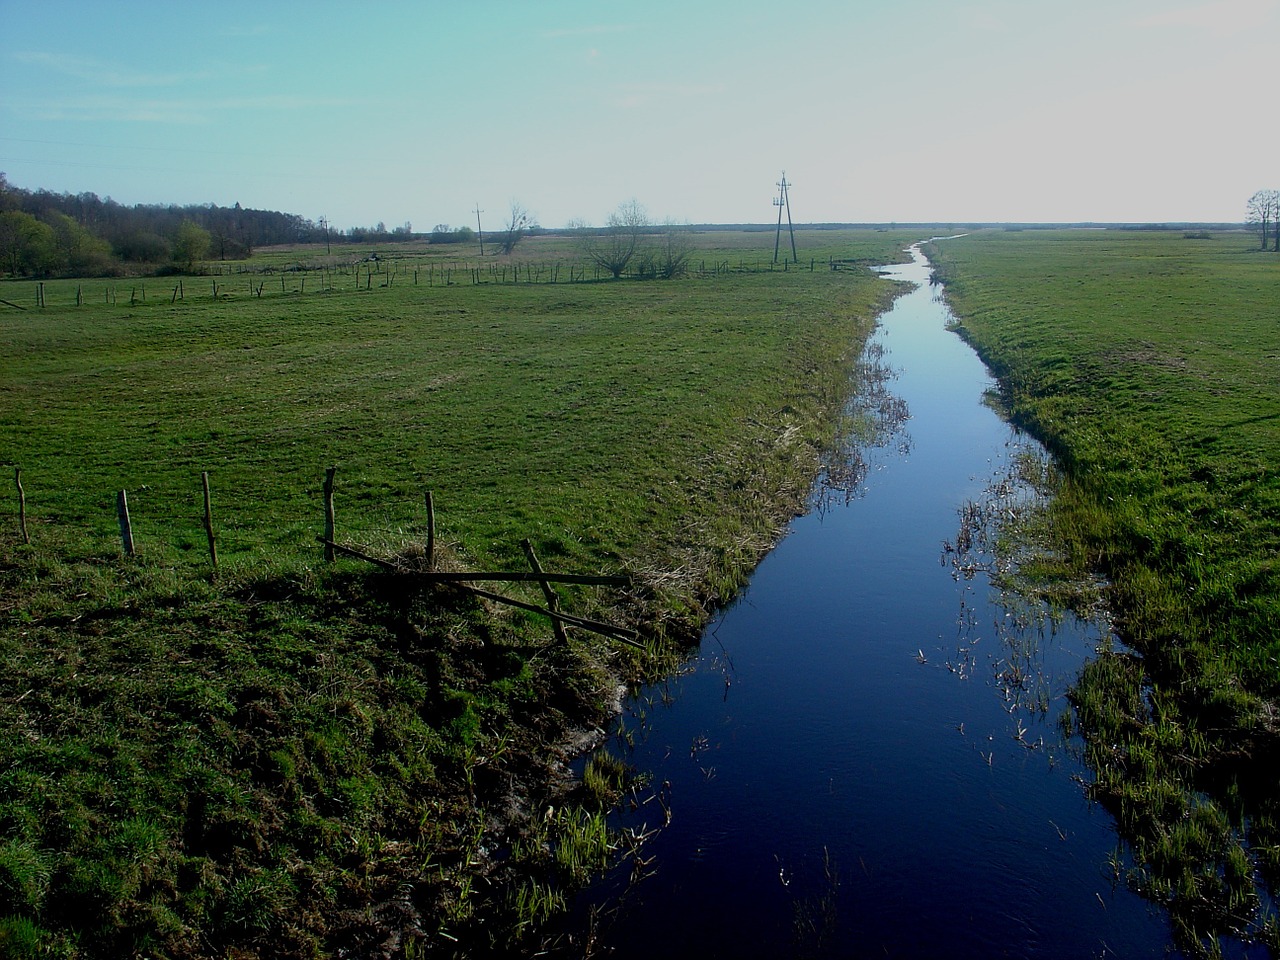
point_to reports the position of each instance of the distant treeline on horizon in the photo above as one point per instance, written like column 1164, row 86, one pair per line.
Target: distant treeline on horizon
column 43, row 233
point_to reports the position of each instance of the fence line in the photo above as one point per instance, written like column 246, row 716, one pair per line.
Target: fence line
column 458, row 580
column 447, row 274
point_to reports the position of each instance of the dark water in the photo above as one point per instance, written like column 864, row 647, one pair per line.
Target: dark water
column 852, row 765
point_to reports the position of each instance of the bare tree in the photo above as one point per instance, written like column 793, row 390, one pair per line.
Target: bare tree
column 1275, row 220
column 616, row 245
column 518, row 225
column 672, row 251
column 1263, row 210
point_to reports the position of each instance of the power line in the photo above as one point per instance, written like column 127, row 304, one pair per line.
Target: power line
column 783, row 200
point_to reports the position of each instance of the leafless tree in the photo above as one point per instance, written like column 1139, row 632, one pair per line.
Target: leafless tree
column 615, row 246
column 519, row 224
column 1263, row 210
column 672, row 250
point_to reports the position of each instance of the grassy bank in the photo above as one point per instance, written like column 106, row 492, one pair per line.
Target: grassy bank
column 289, row 758
column 1149, row 363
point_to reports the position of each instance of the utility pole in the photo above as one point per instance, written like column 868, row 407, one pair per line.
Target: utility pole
column 324, row 222
column 479, row 232
column 782, row 200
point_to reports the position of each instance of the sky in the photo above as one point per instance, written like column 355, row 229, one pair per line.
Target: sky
column 904, row 111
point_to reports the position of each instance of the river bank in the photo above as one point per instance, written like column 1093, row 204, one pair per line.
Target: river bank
column 283, row 757
column 866, row 753
column 1146, row 361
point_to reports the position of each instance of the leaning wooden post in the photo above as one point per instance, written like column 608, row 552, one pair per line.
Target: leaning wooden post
column 431, row 532
column 126, row 530
column 22, row 505
column 208, row 520
column 553, row 601
column 328, row 513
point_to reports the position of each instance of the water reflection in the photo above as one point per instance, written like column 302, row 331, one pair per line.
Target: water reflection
column 863, row 759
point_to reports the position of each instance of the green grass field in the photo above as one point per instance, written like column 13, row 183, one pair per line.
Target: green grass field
column 1149, row 362
column 289, row 758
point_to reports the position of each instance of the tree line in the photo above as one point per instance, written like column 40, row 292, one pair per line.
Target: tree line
column 47, row 234
column 1263, row 214
column 43, row 233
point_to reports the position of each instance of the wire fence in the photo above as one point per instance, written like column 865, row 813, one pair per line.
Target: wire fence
column 231, row 281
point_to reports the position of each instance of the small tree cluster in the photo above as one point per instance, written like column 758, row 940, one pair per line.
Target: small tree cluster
column 191, row 244
column 667, row 254
column 614, row 247
column 629, row 239
column 1263, row 213
column 31, row 246
column 443, row 233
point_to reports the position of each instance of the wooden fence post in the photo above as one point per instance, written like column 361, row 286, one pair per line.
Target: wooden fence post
column 553, row 601
column 22, row 505
column 431, row 532
column 208, row 520
column 328, row 513
column 126, row 530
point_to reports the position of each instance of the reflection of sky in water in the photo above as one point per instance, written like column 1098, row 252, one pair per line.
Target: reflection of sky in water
column 850, row 703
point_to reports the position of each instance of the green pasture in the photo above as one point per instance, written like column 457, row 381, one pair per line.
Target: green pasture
column 1149, row 362
column 528, row 408
column 284, row 757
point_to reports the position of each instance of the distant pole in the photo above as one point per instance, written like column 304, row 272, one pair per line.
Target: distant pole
column 780, row 201
column 479, row 232
column 777, row 237
column 792, row 230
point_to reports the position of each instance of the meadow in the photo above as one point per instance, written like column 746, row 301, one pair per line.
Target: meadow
column 286, row 757
column 1149, row 363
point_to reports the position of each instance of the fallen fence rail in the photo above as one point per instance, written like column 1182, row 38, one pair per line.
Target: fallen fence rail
column 461, row 581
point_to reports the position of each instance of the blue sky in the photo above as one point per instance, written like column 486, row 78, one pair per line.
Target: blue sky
column 897, row 110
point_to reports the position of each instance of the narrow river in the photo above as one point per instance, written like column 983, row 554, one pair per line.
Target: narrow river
column 850, row 764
